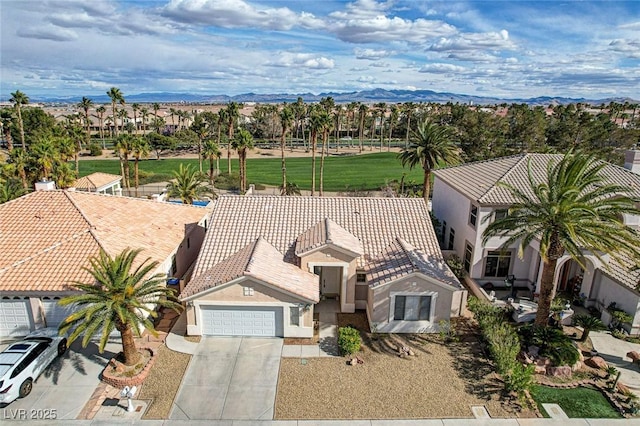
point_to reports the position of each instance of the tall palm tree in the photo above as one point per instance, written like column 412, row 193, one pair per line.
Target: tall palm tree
column 155, row 107
column 574, row 208
column 122, row 297
column 187, row 185
column 139, row 149
column 45, row 154
column 135, row 107
column 290, row 189
column 124, row 146
column 211, row 151
column 100, row 111
column 63, row 175
column 6, row 120
column 116, row 96
column 286, row 120
column 315, row 127
column 408, row 109
column 327, row 123
column 232, row 114
column 382, row 109
column 19, row 99
column 85, row 105
column 431, row 146
column 362, row 114
column 144, row 115
column 20, row 159
column 243, row 141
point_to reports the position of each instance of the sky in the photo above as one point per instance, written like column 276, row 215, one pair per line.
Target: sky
column 508, row 49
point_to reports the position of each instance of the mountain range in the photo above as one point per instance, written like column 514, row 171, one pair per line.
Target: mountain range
column 364, row 96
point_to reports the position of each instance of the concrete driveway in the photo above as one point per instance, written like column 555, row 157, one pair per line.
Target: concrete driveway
column 230, row 378
column 64, row 388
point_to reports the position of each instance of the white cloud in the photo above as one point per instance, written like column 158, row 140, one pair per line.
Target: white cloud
column 47, row 32
column 629, row 48
column 305, row 60
column 442, row 68
column 372, row 54
column 473, row 42
column 384, row 29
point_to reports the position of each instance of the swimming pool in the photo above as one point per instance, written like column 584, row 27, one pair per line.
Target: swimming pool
column 200, row 203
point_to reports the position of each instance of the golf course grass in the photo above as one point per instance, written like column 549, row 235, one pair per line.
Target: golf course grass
column 363, row 172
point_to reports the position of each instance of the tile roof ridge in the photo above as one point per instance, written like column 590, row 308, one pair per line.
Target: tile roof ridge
column 510, row 170
column 327, row 223
column 488, row 160
column 75, row 205
column 250, row 258
column 409, row 252
column 16, row 200
column 48, row 249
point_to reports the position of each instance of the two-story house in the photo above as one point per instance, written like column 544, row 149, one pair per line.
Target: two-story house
column 467, row 198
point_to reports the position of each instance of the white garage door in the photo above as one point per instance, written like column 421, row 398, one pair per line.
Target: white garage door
column 240, row 321
column 15, row 317
column 54, row 313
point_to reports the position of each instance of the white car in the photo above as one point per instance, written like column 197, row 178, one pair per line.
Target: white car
column 22, row 362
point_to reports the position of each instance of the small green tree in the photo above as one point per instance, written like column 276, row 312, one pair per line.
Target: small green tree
column 349, row 340
column 188, row 185
column 588, row 323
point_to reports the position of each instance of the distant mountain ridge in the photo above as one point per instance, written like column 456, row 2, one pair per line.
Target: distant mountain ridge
column 364, row 96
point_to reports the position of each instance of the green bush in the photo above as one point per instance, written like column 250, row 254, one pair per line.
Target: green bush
column 553, row 344
column 228, row 182
column 349, row 340
column 519, row 379
column 95, row 150
column 504, row 346
column 457, row 266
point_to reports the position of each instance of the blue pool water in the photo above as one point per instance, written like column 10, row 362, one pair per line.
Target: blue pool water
column 200, row 203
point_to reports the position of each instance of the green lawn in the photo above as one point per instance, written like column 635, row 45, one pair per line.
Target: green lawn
column 577, row 403
column 368, row 171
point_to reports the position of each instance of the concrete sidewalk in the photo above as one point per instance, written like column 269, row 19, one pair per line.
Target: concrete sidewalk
column 175, row 339
column 614, row 351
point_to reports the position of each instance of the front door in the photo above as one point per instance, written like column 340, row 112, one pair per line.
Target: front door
column 330, row 280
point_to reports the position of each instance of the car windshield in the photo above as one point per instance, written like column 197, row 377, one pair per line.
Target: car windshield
column 4, row 368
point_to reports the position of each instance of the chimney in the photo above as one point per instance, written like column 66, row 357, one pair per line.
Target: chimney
column 45, row 185
column 632, row 160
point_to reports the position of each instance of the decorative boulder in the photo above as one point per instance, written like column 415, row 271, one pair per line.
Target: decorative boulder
column 597, row 362
column 635, row 356
column 562, row 371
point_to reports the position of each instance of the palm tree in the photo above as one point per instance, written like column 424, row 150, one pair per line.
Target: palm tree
column 588, row 323
column 122, row 297
column 315, row 126
column 241, row 143
column 144, row 114
column 18, row 99
column 573, row 209
column 362, row 114
column 124, row 146
column 20, row 160
column 290, row 189
column 187, row 185
column 10, row 189
column 100, row 111
column 63, row 175
column 286, row 120
column 408, row 108
column 85, row 105
column 6, row 119
column 45, row 154
column 139, row 149
column 326, row 129
column 116, row 96
column 155, row 107
column 232, row 114
column 135, row 107
column 431, row 146
column 211, row 151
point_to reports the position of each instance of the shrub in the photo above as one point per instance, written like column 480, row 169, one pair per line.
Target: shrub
column 553, row 344
column 95, row 150
column 349, row 340
column 504, row 346
column 457, row 266
column 519, row 380
column 228, row 182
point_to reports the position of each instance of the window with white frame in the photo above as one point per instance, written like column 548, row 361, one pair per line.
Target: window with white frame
column 412, row 308
column 473, row 215
column 452, row 238
column 294, row 313
column 468, row 256
column 497, row 264
column 500, row 214
column 247, row 291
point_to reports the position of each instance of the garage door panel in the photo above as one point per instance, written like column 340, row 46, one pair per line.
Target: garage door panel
column 55, row 313
column 15, row 317
column 241, row 321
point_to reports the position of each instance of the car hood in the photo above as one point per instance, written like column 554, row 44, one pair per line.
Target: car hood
column 50, row 332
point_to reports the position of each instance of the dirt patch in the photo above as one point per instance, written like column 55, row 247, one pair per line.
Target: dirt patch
column 161, row 386
column 440, row 381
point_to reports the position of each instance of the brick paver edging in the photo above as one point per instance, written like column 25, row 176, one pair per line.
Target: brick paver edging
column 137, row 380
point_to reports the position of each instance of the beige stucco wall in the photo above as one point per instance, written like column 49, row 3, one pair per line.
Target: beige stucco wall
column 328, row 256
column 263, row 295
column 188, row 250
column 379, row 304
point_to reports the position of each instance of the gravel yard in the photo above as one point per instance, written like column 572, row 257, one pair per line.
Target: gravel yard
column 161, row 386
column 440, row 381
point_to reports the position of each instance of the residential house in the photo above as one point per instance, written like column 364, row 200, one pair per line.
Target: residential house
column 466, row 198
column 103, row 183
column 268, row 260
column 47, row 238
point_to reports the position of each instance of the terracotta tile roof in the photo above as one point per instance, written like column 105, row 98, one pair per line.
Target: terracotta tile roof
column 96, row 180
column 400, row 259
column 479, row 180
column 264, row 262
column 327, row 232
column 376, row 222
column 621, row 271
column 47, row 236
